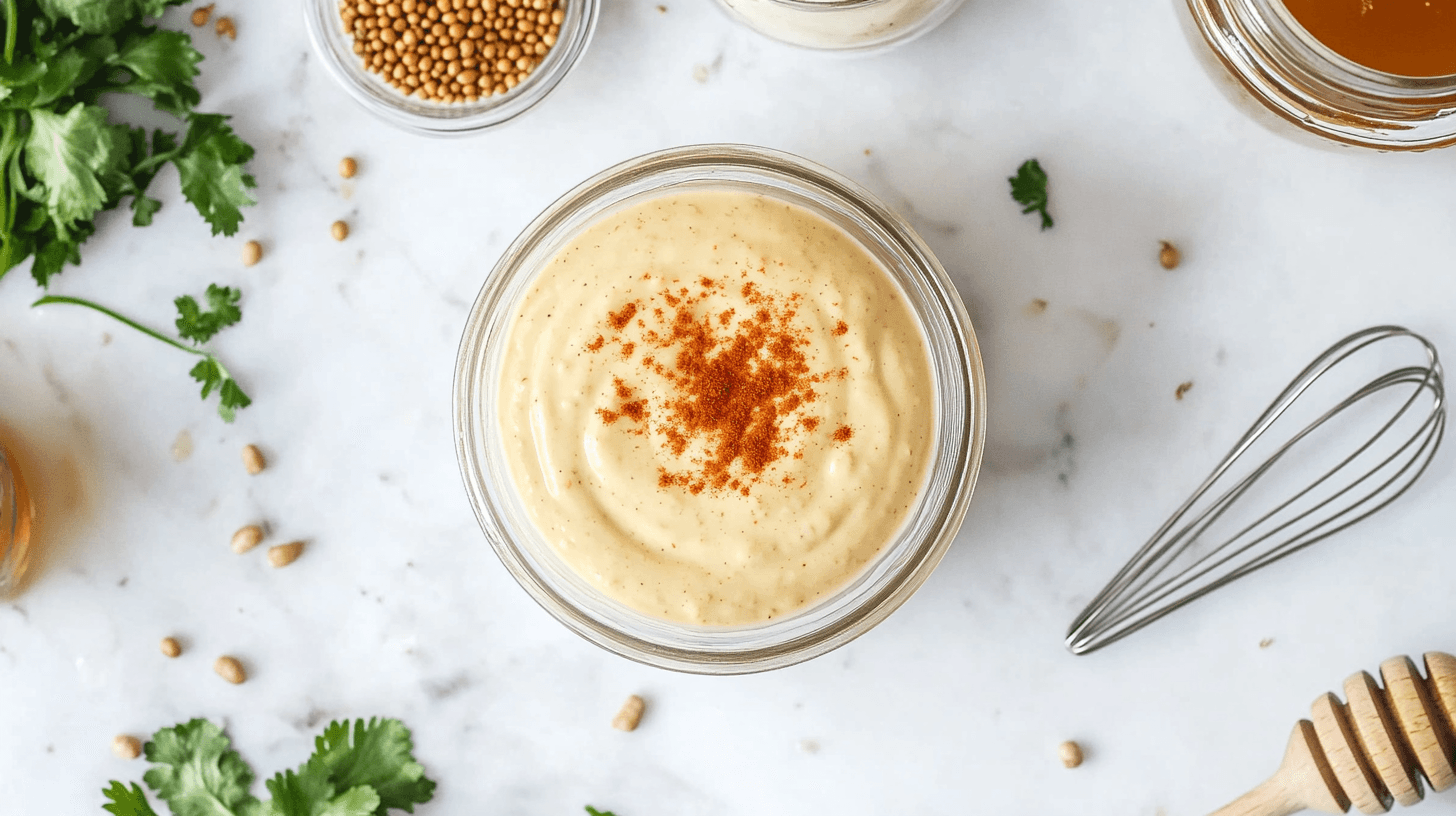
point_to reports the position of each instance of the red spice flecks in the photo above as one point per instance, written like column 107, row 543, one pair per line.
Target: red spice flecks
column 735, row 390
column 843, row 433
column 596, row 345
column 842, row 329
column 619, row 320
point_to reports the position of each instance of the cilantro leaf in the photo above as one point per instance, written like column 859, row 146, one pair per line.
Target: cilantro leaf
column 594, row 812
column 199, row 326
column 196, row 772
column 127, row 802
column 78, row 157
column 210, row 163
column 162, row 65
column 211, row 373
column 376, row 754
column 92, row 16
column 1029, row 189
column 307, row 794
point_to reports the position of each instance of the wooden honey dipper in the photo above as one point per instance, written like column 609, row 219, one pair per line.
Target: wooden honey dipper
column 1371, row 751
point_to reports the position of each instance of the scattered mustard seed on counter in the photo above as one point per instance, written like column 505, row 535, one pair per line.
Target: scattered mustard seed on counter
column 246, row 538
column 170, row 647
column 126, row 746
column 252, row 253
column 253, row 459
column 201, row 15
column 226, row 28
column 229, row 669
column 1070, row 753
column 284, row 554
column 1168, row 256
column 630, row 715
column 452, row 51
column 339, row 229
column 348, row 167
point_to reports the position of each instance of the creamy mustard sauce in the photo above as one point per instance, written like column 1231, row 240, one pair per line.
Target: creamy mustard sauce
column 649, row 513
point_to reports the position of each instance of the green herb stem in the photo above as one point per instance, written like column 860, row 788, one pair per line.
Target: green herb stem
column 12, row 27
column 49, row 299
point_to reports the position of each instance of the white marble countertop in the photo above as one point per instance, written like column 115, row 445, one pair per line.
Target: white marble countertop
column 957, row 702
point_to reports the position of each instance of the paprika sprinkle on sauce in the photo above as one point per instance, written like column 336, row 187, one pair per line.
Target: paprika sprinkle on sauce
column 738, row 391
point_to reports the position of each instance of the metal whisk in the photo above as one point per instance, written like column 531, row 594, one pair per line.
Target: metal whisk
column 1368, row 442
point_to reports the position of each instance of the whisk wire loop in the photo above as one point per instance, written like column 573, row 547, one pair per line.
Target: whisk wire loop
column 1168, row 572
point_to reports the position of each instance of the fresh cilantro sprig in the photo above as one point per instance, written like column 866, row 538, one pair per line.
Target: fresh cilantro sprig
column 594, row 812
column 365, row 771
column 197, row 325
column 62, row 161
column 1029, row 189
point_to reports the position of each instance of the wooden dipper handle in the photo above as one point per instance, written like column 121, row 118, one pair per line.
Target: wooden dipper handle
column 1372, row 751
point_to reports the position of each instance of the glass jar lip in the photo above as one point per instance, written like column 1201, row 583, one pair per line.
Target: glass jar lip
column 333, row 46
column 886, row 583
column 1308, row 84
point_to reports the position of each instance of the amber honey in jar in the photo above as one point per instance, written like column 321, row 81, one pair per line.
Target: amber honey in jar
column 17, row 512
column 1414, row 38
column 1366, row 73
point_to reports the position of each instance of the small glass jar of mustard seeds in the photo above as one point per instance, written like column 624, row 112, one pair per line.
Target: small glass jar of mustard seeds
column 841, row 25
column 1372, row 75
column 16, row 513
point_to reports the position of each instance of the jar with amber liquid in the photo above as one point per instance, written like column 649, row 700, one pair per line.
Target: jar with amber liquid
column 1367, row 73
column 16, row 514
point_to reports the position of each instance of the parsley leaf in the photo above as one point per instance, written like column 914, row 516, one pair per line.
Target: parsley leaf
column 210, row 162
column 377, row 754
column 127, row 802
column 360, row 773
column 197, row 326
column 1029, row 189
column 79, row 160
column 196, row 772
column 64, row 60
column 305, row 794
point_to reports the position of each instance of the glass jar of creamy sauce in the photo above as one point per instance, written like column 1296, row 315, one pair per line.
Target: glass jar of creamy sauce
column 1375, row 75
column 841, row 25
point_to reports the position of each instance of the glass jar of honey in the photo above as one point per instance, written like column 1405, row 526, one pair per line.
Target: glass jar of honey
column 16, row 514
column 1368, row 73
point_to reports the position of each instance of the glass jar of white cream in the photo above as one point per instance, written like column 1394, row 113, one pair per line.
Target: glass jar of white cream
column 564, row 432
column 842, row 25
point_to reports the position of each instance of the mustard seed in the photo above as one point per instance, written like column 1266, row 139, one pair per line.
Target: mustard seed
column 446, row 52
column 201, row 15
column 284, row 554
column 630, row 715
column 339, row 230
column 170, row 647
column 246, row 538
column 1070, row 753
column 348, row 167
column 252, row 253
column 225, row 28
column 229, row 669
column 126, row 746
column 253, row 460
column 1169, row 256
